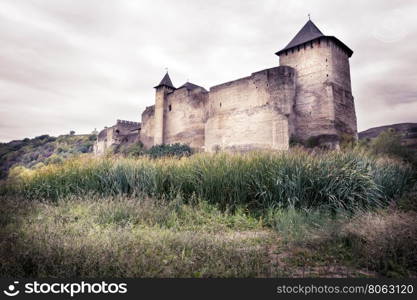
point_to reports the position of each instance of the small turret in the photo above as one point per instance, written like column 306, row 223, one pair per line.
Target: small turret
column 165, row 82
column 162, row 89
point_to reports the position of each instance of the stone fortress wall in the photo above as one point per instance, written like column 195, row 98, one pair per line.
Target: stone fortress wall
column 124, row 132
column 251, row 112
column 308, row 96
column 185, row 115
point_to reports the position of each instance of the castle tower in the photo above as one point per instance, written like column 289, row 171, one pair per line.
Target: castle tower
column 324, row 107
column 161, row 91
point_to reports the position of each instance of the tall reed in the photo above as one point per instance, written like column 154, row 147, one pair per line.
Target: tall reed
column 338, row 180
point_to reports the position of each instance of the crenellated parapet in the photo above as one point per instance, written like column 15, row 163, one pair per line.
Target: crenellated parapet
column 126, row 123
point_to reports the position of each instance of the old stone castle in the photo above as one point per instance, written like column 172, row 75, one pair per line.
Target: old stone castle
column 308, row 96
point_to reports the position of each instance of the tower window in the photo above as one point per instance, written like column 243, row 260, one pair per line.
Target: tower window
column 169, row 107
column 220, row 104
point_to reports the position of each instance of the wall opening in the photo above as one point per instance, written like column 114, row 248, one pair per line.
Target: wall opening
column 169, row 107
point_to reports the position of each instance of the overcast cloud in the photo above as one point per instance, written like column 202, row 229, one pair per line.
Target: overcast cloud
column 81, row 64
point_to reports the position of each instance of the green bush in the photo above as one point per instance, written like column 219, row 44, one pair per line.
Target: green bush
column 295, row 141
column 134, row 149
column 177, row 149
column 312, row 142
column 347, row 141
column 85, row 148
column 389, row 143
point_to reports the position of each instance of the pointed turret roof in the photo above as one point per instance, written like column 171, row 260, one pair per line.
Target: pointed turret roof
column 310, row 32
column 190, row 86
column 166, row 81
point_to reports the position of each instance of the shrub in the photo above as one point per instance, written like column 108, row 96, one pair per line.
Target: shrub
column 169, row 150
column 408, row 201
column 85, row 148
column 295, row 141
column 389, row 143
column 134, row 149
column 384, row 241
column 312, row 142
column 347, row 141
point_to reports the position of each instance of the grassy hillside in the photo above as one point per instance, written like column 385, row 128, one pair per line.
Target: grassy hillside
column 406, row 131
column 42, row 150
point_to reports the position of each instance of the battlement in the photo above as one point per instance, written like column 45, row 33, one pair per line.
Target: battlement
column 149, row 110
column 128, row 123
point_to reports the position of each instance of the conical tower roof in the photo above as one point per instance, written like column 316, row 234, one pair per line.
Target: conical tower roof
column 310, row 32
column 166, row 81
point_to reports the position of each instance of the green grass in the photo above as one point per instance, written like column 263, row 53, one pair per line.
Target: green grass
column 130, row 237
column 258, row 181
column 258, row 214
column 121, row 236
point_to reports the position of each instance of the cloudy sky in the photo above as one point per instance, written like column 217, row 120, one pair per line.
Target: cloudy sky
column 81, row 64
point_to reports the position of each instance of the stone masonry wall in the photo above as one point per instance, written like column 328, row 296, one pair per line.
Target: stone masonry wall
column 251, row 112
column 185, row 116
column 147, row 131
column 345, row 116
column 124, row 132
